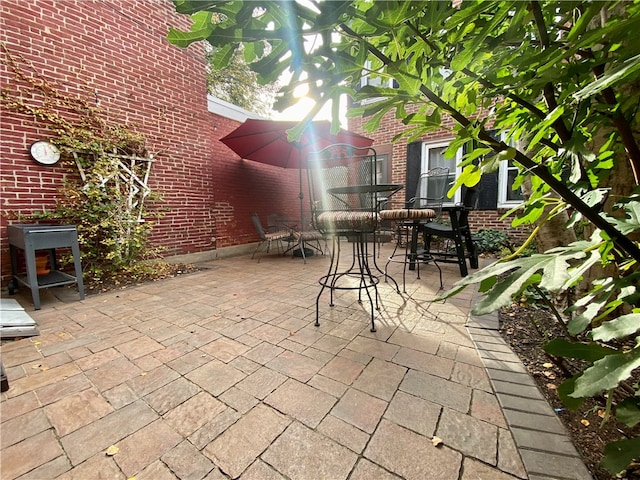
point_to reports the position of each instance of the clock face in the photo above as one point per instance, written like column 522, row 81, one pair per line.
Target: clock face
column 45, row 153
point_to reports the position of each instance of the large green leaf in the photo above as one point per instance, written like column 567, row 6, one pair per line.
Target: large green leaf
column 617, row 455
column 628, row 411
column 618, row 328
column 632, row 222
column 628, row 70
column 607, row 373
column 565, row 389
column 590, row 352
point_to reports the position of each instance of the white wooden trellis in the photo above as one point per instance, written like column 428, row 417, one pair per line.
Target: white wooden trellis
column 130, row 180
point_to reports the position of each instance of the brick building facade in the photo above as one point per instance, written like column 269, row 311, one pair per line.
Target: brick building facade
column 117, row 50
column 404, row 162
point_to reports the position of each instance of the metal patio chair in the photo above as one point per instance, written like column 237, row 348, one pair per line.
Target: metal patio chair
column 267, row 238
column 424, row 207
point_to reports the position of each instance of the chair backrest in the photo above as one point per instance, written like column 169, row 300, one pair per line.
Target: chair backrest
column 258, row 226
column 432, row 189
column 461, row 213
column 275, row 222
column 470, row 198
column 335, row 175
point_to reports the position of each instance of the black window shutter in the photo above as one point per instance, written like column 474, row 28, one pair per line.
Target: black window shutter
column 414, row 164
column 488, row 191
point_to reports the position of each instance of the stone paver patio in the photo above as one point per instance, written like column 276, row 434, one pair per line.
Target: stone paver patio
column 221, row 374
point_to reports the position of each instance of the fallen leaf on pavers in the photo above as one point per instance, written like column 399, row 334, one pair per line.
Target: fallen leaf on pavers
column 112, row 450
column 547, row 365
column 44, row 369
column 585, row 422
column 437, row 442
column 132, row 478
column 143, row 374
column 291, row 332
column 36, row 366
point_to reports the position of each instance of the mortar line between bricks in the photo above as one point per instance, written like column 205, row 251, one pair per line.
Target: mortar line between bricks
column 554, row 477
column 511, row 409
column 532, row 429
column 528, row 397
column 512, row 383
column 525, row 382
column 550, row 452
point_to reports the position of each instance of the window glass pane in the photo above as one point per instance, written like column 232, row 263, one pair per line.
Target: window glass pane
column 437, row 159
column 381, row 168
column 512, row 195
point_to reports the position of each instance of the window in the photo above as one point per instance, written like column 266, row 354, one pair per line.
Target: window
column 373, row 80
column 507, row 173
column 507, row 196
column 382, row 168
column 433, row 156
column 495, row 189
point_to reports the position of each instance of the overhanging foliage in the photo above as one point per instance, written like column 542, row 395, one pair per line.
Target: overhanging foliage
column 560, row 78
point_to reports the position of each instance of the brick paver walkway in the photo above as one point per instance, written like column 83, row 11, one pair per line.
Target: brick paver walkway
column 221, row 374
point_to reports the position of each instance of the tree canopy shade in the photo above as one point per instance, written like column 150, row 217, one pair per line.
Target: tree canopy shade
column 533, row 65
column 560, row 79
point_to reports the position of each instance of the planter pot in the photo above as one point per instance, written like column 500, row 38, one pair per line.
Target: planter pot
column 42, row 260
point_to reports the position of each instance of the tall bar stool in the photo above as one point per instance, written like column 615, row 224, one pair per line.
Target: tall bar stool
column 424, row 207
column 343, row 192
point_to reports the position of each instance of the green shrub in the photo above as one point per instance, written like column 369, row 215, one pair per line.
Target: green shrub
column 490, row 240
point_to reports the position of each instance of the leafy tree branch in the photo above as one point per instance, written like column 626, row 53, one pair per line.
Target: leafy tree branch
column 559, row 78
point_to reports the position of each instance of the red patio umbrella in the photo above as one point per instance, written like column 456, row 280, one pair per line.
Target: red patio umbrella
column 266, row 141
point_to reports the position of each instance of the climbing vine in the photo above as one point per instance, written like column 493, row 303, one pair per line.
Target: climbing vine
column 108, row 163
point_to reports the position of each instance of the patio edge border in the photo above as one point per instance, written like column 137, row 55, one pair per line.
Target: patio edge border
column 543, row 442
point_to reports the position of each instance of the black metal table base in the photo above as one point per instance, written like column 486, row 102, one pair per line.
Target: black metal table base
column 359, row 269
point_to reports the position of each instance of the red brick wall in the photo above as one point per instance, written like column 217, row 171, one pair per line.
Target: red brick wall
column 484, row 219
column 117, row 50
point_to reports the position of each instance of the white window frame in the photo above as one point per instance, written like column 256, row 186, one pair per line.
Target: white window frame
column 426, row 146
column 504, row 187
column 503, row 181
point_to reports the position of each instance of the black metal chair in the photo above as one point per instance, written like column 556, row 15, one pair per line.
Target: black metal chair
column 424, row 207
column 457, row 230
column 343, row 192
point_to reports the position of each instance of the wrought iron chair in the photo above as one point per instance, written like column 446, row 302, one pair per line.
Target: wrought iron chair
column 343, row 194
column 267, row 238
column 311, row 239
column 424, row 207
column 456, row 229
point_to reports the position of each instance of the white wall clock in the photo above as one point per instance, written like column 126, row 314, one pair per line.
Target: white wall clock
column 45, row 153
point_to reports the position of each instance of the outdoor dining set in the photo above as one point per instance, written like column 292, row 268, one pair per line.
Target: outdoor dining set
column 349, row 204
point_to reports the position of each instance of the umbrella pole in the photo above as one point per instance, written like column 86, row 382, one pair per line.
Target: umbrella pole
column 301, row 197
